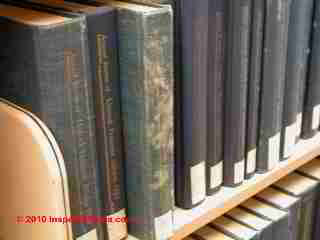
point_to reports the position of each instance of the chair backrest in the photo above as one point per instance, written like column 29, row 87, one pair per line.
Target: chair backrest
column 33, row 180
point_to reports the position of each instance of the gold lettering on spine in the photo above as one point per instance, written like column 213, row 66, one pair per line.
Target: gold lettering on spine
column 112, row 171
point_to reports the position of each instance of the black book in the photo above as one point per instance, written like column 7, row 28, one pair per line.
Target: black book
column 235, row 99
column 285, row 202
column 307, row 190
column 45, row 68
column 216, row 75
column 296, row 69
column 255, row 71
column 311, row 110
column 272, row 87
column 102, row 39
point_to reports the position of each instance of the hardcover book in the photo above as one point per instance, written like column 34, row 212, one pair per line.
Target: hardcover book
column 25, row 195
column 102, row 39
column 296, row 72
column 273, row 80
column 216, row 75
column 146, row 76
column 312, row 170
column 311, row 110
column 280, row 219
column 45, row 69
column 306, row 189
column 255, row 71
column 235, row 99
column 262, row 226
column 234, row 229
column 287, row 203
column 192, row 115
column 209, row 233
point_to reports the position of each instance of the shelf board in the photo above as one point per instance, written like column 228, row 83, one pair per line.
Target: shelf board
column 188, row 221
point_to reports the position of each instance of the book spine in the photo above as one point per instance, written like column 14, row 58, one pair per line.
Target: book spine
column 190, row 177
column 311, row 111
column 239, row 18
column 255, row 71
column 216, row 61
column 272, row 89
column 146, row 76
column 297, row 60
column 63, row 70
column 102, row 36
column 294, row 220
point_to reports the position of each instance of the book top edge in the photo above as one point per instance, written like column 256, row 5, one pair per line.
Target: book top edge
column 209, row 233
column 311, row 169
column 30, row 17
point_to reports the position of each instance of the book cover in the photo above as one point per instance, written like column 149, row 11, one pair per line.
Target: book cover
column 216, row 76
column 234, row 229
column 262, row 226
column 254, row 82
column 312, row 170
column 102, row 39
column 235, row 90
column 47, row 71
column 273, row 80
column 145, row 44
column 296, row 72
column 311, row 109
column 280, row 219
column 287, row 203
column 209, row 233
column 306, row 189
column 191, row 87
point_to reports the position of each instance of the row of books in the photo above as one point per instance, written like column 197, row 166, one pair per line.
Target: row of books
column 289, row 210
column 156, row 106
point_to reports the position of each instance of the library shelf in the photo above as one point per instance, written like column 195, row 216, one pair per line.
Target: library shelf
column 188, row 221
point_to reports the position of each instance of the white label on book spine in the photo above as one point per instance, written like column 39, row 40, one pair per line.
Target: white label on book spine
column 216, row 174
column 274, row 151
column 198, row 183
column 117, row 227
column 92, row 235
column 316, row 117
column 238, row 172
column 163, row 226
column 251, row 161
column 289, row 139
column 299, row 124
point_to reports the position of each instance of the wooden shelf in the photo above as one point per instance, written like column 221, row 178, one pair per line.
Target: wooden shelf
column 188, row 221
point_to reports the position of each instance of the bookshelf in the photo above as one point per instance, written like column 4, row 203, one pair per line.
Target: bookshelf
column 188, row 221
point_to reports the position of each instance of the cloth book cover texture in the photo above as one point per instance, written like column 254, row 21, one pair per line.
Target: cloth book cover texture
column 272, row 87
column 255, row 70
column 235, row 99
column 296, row 73
column 216, row 74
column 45, row 69
column 311, row 111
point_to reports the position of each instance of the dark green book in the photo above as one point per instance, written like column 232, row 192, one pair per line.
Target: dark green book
column 296, row 72
column 45, row 68
column 306, row 189
column 285, row 202
column 280, row 219
column 273, row 81
column 311, row 109
column 262, row 226
column 102, row 39
column 234, row 229
column 145, row 44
